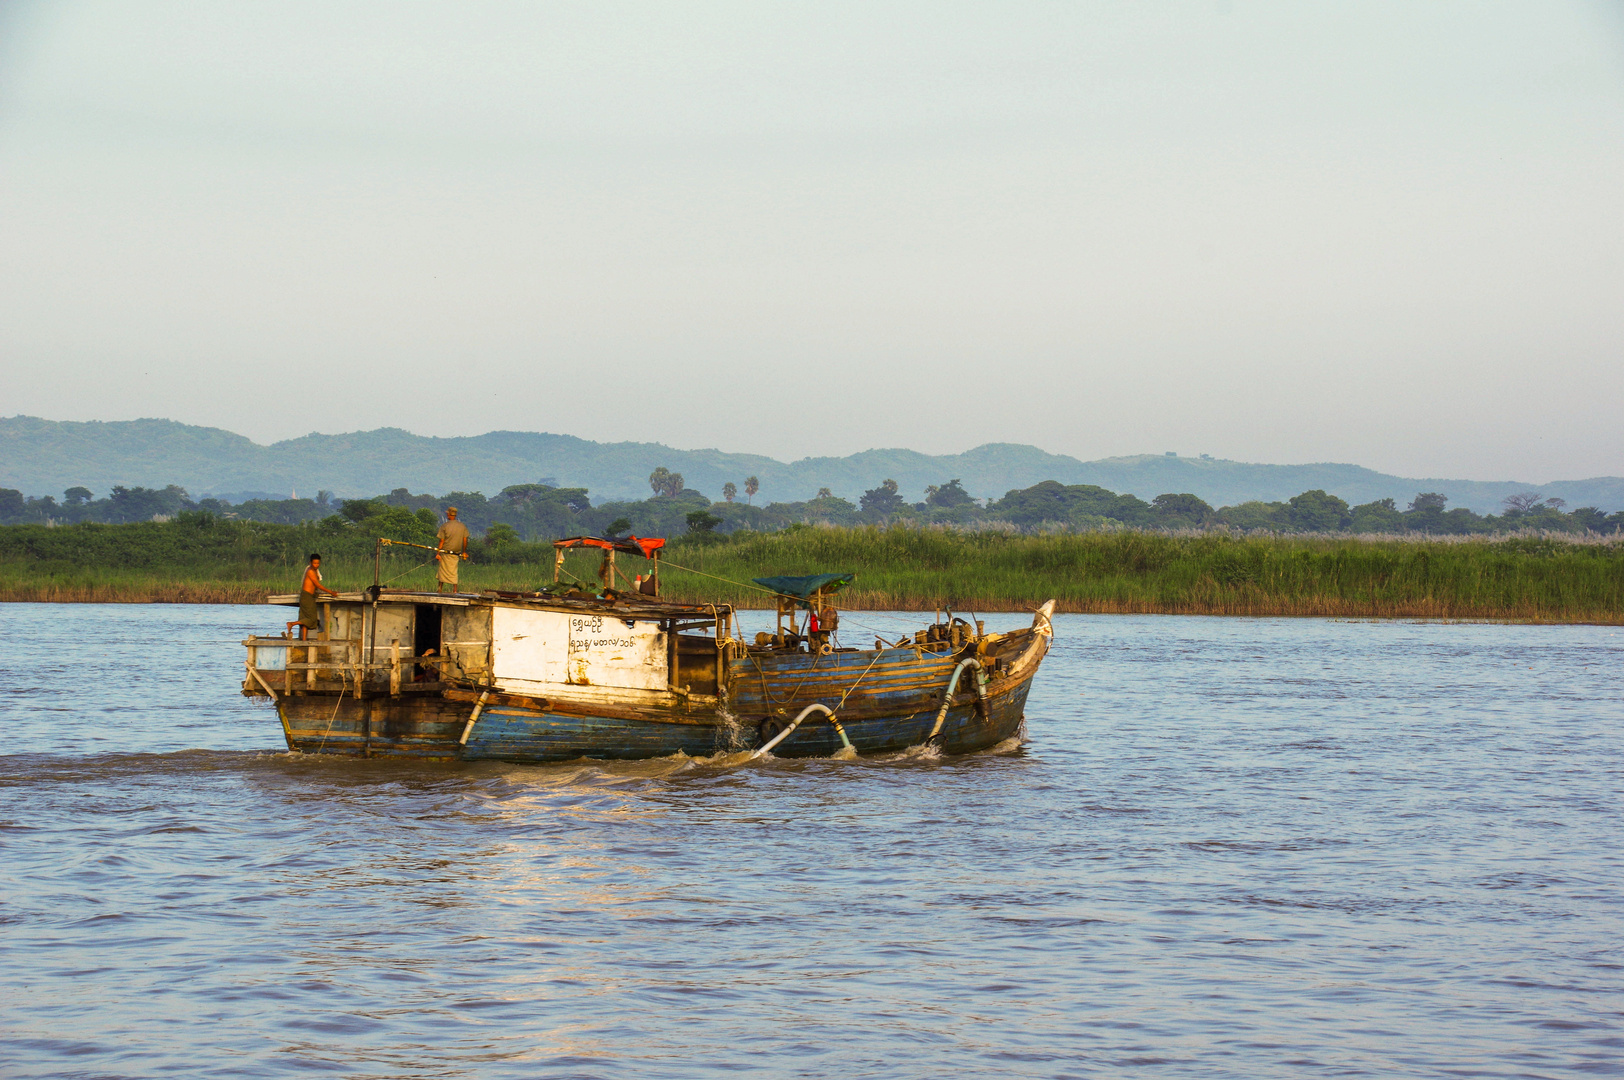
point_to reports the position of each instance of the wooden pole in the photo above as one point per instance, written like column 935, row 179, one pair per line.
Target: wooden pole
column 371, row 658
column 719, row 647
column 394, row 668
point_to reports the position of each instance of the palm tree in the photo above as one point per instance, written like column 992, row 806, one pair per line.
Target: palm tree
column 665, row 482
column 751, row 486
column 729, row 490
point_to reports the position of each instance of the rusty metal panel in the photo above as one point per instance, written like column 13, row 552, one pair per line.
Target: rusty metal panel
column 465, row 637
column 396, row 622
column 346, row 619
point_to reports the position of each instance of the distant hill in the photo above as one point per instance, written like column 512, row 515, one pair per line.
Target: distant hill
column 45, row 457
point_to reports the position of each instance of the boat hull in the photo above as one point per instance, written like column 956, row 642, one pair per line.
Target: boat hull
column 419, row 726
column 533, row 735
column 959, row 696
column 429, row 728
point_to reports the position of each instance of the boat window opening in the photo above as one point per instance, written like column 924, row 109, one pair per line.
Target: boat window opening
column 694, row 664
column 426, row 638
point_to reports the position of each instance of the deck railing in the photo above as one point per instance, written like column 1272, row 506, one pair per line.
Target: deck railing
column 273, row 660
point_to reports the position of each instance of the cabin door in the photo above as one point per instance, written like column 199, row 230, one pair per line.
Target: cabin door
column 426, row 635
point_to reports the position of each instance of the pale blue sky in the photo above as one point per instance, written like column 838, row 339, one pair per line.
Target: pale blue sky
column 1390, row 234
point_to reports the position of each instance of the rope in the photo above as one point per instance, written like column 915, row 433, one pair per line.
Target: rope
column 728, row 581
column 860, row 678
column 413, row 570
column 770, row 592
column 766, row 693
column 343, row 689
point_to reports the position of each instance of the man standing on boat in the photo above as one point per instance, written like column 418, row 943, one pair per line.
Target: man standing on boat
column 308, row 618
column 452, row 540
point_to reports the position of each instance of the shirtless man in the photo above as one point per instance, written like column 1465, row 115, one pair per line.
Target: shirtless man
column 452, row 539
column 308, row 619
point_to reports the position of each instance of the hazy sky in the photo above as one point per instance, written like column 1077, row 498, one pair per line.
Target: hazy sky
column 1384, row 233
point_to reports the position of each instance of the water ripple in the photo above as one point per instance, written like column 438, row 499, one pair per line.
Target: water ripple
column 1250, row 848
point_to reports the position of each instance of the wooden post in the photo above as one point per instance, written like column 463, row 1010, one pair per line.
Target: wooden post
column 394, row 667
column 558, row 564
column 719, row 647
column 310, row 668
column 325, row 652
column 372, row 644
column 671, row 653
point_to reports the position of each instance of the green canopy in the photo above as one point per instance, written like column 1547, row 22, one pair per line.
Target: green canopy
column 802, row 588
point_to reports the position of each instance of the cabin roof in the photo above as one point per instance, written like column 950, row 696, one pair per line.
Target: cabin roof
column 645, row 546
column 624, row 606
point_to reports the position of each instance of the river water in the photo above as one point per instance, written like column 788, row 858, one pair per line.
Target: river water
column 1228, row 848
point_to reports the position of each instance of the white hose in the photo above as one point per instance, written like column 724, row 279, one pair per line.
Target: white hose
column 952, row 684
column 795, row 723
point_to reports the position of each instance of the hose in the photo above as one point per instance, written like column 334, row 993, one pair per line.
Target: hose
column 795, row 723
column 952, row 684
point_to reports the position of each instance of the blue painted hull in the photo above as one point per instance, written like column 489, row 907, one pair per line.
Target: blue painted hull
column 528, row 735
column 885, row 702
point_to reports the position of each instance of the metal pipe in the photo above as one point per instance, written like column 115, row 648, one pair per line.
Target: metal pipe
column 479, row 707
column 952, row 684
column 795, row 723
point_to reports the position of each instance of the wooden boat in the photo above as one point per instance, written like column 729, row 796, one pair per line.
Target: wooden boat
column 565, row 673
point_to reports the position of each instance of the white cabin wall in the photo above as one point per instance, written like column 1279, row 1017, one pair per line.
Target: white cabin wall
column 542, row 651
column 529, row 646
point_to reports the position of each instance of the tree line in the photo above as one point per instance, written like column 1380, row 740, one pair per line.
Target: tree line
column 545, row 511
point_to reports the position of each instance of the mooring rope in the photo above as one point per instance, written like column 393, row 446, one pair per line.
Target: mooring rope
column 344, row 687
column 728, row 581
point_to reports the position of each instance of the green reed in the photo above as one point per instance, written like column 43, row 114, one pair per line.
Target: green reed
column 1521, row 578
column 1524, row 578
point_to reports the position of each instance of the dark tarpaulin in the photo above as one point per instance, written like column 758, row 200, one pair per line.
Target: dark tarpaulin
column 803, row 587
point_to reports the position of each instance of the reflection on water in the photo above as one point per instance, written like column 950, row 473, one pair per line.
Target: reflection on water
column 1229, row 848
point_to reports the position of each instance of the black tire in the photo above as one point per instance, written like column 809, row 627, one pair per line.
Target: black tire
column 768, row 730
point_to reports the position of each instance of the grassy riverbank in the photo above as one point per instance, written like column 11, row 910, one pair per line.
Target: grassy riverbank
column 1133, row 572
column 1527, row 578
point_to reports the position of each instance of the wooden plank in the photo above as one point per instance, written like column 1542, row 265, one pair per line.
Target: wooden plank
column 261, row 680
